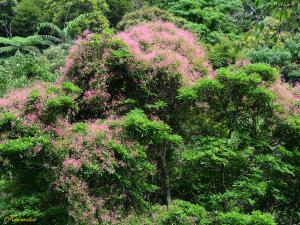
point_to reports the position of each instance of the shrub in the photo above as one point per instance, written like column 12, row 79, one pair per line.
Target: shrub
column 56, row 56
column 183, row 213
column 56, row 12
column 273, row 56
column 294, row 76
column 293, row 45
column 27, row 15
column 21, row 70
column 223, row 54
column 236, row 218
column 179, row 213
column 265, row 71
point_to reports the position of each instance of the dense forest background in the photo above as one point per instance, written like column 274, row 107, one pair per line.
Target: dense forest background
column 150, row 112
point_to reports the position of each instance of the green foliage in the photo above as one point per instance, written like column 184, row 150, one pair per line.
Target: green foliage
column 6, row 121
column 21, row 145
column 179, row 212
column 266, row 72
column 183, row 213
column 56, row 56
column 60, row 105
column 223, row 54
column 208, row 19
column 115, row 139
column 79, row 128
column 235, row 98
column 273, row 56
column 27, row 175
column 28, row 44
column 27, row 15
column 141, row 128
column 6, row 14
column 67, row 34
column 293, row 45
column 117, row 9
column 294, row 76
column 70, row 88
column 62, row 11
column 235, row 218
column 147, row 14
column 21, row 70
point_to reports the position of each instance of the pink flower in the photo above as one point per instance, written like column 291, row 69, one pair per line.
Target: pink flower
column 71, row 163
column 32, row 117
column 162, row 45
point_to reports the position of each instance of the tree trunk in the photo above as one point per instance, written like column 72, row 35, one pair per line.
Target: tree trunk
column 166, row 177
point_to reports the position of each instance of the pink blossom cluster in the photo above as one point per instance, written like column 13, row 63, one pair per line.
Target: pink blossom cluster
column 71, row 163
column 286, row 96
column 82, row 207
column 75, row 50
column 16, row 100
column 163, row 45
column 296, row 90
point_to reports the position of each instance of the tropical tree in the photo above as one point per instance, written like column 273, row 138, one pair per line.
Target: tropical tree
column 64, row 35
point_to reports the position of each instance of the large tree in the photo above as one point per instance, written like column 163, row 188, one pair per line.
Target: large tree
column 6, row 14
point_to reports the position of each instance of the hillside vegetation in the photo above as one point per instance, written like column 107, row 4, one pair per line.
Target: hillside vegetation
column 165, row 112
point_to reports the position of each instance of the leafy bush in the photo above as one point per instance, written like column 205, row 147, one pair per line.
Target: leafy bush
column 235, row 218
column 81, row 24
column 179, row 212
column 56, row 56
column 273, row 56
column 21, row 70
column 223, row 54
column 42, row 132
column 293, row 45
column 183, row 213
column 265, row 71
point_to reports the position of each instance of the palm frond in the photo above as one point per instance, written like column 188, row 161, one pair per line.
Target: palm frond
column 36, row 40
column 7, row 41
column 51, row 38
column 32, row 49
column 7, row 49
column 52, row 27
column 77, row 20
